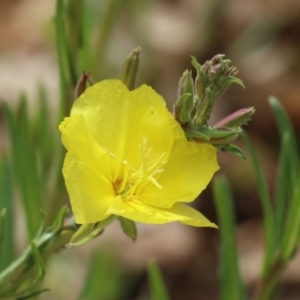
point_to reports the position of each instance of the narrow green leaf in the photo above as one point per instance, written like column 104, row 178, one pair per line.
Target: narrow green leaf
column 2, row 226
column 283, row 190
column 43, row 136
column 33, row 294
column 59, row 220
column 128, row 227
column 284, row 126
column 24, row 164
column 157, row 287
column 266, row 205
column 38, row 263
column 106, row 23
column 67, row 70
column 234, row 149
column 74, row 19
column 89, row 16
column 62, row 45
column 104, row 280
column 231, row 282
column 291, row 231
column 7, row 203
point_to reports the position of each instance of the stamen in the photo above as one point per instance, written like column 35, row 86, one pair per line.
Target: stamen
column 136, row 180
column 143, row 160
column 158, row 162
column 154, row 182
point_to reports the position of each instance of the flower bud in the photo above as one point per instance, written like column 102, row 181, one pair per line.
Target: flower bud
column 186, row 84
column 184, row 106
column 215, row 136
column 237, row 119
column 130, row 68
column 82, row 83
column 213, row 79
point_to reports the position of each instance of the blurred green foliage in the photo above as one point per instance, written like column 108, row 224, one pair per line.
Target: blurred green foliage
column 30, row 174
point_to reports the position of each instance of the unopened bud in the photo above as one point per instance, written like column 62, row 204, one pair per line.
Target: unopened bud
column 237, row 119
column 87, row 232
column 215, row 136
column 186, row 84
column 201, row 80
column 82, row 83
column 130, row 68
column 183, row 108
column 213, row 79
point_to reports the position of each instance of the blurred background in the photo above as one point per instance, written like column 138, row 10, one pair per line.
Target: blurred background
column 260, row 37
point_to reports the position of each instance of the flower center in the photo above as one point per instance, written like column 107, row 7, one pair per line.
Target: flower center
column 131, row 181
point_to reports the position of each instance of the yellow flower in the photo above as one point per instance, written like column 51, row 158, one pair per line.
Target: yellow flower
column 127, row 156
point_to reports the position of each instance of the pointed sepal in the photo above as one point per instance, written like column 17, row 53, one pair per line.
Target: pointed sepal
column 234, row 149
column 237, row 119
column 87, row 232
column 84, row 81
column 128, row 227
column 129, row 68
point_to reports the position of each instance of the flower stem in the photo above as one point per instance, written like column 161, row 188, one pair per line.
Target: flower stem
column 267, row 284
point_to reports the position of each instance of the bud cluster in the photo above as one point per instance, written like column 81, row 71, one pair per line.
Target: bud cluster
column 196, row 101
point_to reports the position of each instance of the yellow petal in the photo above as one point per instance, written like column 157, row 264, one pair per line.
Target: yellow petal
column 89, row 194
column 87, row 170
column 148, row 121
column 77, row 138
column 187, row 173
column 178, row 132
column 121, row 121
column 104, row 107
column 139, row 212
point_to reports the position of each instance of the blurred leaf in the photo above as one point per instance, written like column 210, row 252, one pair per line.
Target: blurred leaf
column 43, row 135
column 104, row 280
column 106, row 23
column 157, row 287
column 128, row 227
column 62, row 44
column 231, row 282
column 282, row 192
column 74, row 13
column 7, row 203
column 24, row 164
column 33, row 294
column 291, row 230
column 266, row 205
column 258, row 34
column 2, row 226
column 285, row 126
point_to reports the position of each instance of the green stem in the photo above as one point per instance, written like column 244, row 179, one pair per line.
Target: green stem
column 267, row 285
column 21, row 269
